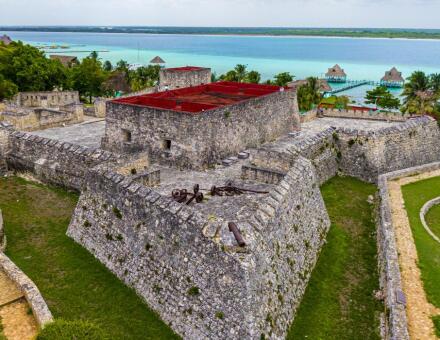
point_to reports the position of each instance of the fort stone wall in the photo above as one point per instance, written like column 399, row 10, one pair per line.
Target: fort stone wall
column 182, row 77
column 366, row 155
column 52, row 161
column 199, row 140
column 189, row 268
column 46, row 98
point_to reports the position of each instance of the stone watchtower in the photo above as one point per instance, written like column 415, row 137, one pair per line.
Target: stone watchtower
column 182, row 77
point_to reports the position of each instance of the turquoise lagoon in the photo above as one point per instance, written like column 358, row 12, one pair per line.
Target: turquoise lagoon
column 362, row 58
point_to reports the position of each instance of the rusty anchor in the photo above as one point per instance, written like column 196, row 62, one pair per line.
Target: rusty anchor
column 182, row 195
column 230, row 190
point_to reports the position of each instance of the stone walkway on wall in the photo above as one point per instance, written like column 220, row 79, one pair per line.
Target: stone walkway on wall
column 15, row 315
column 419, row 310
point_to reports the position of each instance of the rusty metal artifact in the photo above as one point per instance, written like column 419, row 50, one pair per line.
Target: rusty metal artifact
column 182, row 195
column 234, row 229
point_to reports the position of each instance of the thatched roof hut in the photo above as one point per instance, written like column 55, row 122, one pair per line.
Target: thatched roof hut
column 392, row 78
column 117, row 82
column 336, row 74
column 66, row 60
column 323, row 84
column 5, row 39
column 157, row 60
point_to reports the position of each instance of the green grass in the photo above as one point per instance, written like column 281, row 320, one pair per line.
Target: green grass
column 74, row 284
column 436, row 320
column 428, row 250
column 433, row 219
column 339, row 301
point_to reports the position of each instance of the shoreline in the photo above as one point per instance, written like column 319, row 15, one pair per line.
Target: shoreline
column 238, row 34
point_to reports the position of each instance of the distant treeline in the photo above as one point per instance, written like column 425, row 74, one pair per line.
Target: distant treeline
column 275, row 31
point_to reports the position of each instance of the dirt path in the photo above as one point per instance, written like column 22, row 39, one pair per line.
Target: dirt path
column 16, row 318
column 419, row 310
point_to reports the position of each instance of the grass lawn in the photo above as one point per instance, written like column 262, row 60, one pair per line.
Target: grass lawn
column 415, row 196
column 428, row 250
column 74, row 284
column 339, row 301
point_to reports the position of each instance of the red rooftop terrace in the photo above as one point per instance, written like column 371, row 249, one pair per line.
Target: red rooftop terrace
column 201, row 98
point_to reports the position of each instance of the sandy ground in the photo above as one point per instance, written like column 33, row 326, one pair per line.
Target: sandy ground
column 16, row 318
column 419, row 310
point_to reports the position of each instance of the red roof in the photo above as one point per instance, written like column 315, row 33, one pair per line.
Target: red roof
column 185, row 68
column 201, row 98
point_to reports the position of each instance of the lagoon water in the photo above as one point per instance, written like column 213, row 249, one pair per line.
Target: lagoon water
column 362, row 58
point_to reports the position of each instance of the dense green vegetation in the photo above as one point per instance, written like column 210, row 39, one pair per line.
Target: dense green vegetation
column 75, row 285
column 309, row 94
column 26, row 68
column 339, row 301
column 415, row 196
column 382, row 97
column 242, row 75
column 421, row 94
column 277, row 31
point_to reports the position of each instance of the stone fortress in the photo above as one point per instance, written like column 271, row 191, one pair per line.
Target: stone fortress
column 30, row 111
column 206, row 200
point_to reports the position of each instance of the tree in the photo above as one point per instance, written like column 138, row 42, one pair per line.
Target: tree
column 143, row 77
column 229, row 76
column 108, row 66
column 381, row 97
column 253, row 77
column 309, row 94
column 7, row 88
column 241, row 72
column 30, row 70
column 282, row 79
column 421, row 94
column 88, row 77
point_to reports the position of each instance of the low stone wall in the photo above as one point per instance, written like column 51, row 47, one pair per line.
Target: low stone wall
column 52, row 161
column 43, row 118
column 33, row 296
column 390, row 279
column 424, row 211
column 261, row 175
column 370, row 115
column 308, row 116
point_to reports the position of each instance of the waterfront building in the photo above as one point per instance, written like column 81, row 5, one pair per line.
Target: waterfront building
column 5, row 39
column 66, row 60
column 392, row 78
column 336, row 74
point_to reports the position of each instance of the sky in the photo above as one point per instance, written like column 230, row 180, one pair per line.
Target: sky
column 285, row 13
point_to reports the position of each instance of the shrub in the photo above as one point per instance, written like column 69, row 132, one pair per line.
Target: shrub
column 117, row 212
column 68, row 330
column 193, row 291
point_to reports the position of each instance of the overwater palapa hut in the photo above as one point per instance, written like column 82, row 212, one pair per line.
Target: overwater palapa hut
column 392, row 78
column 336, row 74
column 157, row 61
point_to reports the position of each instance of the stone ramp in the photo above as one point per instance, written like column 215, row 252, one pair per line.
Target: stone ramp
column 17, row 322
column 8, row 291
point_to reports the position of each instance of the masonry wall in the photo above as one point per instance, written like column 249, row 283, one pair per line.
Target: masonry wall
column 172, row 79
column 44, row 118
column 52, row 161
column 158, row 247
column 366, row 155
column 167, row 251
column 199, row 140
column 362, row 114
column 47, row 99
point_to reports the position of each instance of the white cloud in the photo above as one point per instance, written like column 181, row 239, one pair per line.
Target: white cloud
column 316, row 13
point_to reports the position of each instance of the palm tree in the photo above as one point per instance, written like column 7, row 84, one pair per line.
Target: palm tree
column 434, row 81
column 417, row 82
column 240, row 71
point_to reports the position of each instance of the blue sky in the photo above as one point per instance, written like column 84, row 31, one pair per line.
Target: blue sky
column 292, row 13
